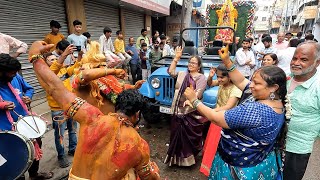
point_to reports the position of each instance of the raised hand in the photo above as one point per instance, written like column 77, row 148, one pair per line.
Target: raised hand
column 224, row 55
column 69, row 50
column 212, row 72
column 178, row 52
column 39, row 47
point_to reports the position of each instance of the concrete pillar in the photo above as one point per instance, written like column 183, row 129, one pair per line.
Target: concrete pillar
column 75, row 10
column 122, row 22
column 147, row 24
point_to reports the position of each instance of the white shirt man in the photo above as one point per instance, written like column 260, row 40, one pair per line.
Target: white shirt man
column 245, row 59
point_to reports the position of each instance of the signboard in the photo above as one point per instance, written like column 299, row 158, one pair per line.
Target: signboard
column 173, row 30
column 160, row 6
column 310, row 12
column 197, row 3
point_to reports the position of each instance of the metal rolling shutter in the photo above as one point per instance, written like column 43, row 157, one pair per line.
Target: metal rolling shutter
column 98, row 16
column 134, row 22
column 28, row 21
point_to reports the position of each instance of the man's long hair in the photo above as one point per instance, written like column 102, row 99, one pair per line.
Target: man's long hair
column 8, row 63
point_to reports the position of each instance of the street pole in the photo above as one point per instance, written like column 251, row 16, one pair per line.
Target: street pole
column 182, row 21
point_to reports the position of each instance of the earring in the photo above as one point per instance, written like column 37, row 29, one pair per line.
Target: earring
column 272, row 96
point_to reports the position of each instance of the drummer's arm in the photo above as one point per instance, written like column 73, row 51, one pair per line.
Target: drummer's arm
column 54, row 87
column 27, row 88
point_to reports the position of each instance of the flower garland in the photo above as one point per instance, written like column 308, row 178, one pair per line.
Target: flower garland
column 288, row 107
column 110, row 87
column 249, row 23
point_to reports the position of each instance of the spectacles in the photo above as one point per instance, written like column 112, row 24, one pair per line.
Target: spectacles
column 193, row 63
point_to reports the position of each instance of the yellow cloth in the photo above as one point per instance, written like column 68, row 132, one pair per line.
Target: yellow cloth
column 53, row 39
column 59, row 70
column 131, row 175
column 224, row 93
column 119, row 46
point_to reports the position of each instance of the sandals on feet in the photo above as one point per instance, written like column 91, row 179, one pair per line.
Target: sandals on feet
column 42, row 175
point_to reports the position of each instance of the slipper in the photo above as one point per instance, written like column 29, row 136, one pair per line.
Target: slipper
column 42, row 175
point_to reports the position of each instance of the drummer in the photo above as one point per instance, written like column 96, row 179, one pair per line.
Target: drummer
column 15, row 93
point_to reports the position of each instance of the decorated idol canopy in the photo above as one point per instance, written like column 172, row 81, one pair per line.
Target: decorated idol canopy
column 238, row 15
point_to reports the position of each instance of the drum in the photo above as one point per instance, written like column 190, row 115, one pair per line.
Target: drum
column 27, row 127
column 16, row 155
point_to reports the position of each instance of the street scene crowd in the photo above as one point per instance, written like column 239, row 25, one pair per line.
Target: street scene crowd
column 264, row 126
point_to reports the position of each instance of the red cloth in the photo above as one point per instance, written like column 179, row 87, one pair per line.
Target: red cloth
column 210, row 148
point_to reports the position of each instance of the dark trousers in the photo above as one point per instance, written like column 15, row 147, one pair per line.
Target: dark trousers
column 136, row 72
column 33, row 170
column 295, row 166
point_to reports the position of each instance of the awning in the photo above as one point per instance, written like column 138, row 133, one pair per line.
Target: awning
column 160, row 6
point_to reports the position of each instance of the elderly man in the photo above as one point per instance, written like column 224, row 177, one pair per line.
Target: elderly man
column 108, row 145
column 281, row 43
column 304, row 94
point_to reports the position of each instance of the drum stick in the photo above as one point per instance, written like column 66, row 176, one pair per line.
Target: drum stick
column 29, row 107
column 25, row 121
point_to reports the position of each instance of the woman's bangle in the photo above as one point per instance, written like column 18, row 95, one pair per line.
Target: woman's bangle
column 196, row 103
column 232, row 68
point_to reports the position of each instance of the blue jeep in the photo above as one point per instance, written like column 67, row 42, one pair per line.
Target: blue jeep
column 160, row 86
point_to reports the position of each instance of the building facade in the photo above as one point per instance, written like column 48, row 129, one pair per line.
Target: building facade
column 263, row 17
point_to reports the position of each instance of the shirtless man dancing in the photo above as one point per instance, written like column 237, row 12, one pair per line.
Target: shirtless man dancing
column 108, row 145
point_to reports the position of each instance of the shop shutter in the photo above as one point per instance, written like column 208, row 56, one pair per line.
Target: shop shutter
column 134, row 22
column 28, row 21
column 98, row 16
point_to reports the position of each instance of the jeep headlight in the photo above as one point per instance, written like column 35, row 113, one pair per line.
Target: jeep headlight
column 155, row 83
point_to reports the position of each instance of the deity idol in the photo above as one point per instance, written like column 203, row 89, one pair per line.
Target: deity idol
column 227, row 16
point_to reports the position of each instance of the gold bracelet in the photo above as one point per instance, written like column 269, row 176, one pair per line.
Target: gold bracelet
column 33, row 58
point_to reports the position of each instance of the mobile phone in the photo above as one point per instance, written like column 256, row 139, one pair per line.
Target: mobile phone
column 78, row 48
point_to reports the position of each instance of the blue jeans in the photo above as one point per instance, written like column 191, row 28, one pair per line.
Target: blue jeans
column 59, row 129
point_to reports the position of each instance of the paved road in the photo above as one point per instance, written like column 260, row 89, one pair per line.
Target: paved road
column 158, row 138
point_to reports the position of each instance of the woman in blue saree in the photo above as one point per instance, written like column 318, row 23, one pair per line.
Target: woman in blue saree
column 254, row 131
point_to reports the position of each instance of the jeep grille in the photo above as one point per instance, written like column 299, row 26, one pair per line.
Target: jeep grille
column 168, row 90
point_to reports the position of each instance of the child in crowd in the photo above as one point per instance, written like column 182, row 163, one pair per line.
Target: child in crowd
column 120, row 50
column 54, row 36
column 228, row 97
column 88, row 36
column 145, row 64
column 77, row 39
column 270, row 59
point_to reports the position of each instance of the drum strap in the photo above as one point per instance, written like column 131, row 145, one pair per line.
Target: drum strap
column 19, row 100
column 38, row 151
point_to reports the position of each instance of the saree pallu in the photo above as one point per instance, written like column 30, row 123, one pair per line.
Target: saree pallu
column 266, row 170
column 185, row 139
column 210, row 148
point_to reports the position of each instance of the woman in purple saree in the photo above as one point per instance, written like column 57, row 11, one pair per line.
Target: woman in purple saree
column 186, row 125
